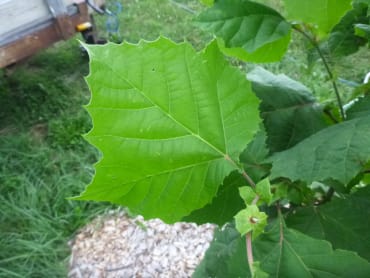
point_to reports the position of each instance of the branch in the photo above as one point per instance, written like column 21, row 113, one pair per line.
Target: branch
column 248, row 178
column 248, row 242
column 248, row 237
column 244, row 173
column 331, row 76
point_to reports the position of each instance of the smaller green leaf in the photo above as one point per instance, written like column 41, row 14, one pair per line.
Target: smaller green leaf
column 344, row 222
column 289, row 110
column 247, row 194
column 270, row 52
column 361, row 90
column 225, row 257
column 284, row 252
column 281, row 252
column 338, row 152
column 254, row 156
column 280, row 191
column 258, row 272
column 363, row 30
column 360, row 108
column 249, row 30
column 263, row 190
column 251, row 219
column 300, row 194
column 207, row 2
column 322, row 13
column 342, row 39
column 224, row 205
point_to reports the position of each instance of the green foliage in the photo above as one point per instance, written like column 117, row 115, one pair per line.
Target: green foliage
column 181, row 138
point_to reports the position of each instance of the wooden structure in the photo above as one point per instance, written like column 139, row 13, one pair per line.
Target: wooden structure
column 29, row 26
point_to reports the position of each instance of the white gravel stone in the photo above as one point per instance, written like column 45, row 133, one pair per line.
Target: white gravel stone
column 116, row 245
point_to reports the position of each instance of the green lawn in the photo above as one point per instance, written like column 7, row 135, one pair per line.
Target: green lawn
column 43, row 157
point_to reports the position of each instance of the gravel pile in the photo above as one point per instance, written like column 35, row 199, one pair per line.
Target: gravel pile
column 120, row 246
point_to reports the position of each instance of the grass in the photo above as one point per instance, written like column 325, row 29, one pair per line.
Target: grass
column 44, row 159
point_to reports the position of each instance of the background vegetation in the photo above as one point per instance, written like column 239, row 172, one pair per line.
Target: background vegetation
column 43, row 157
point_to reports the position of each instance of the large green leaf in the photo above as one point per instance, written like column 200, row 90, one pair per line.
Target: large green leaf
column 170, row 123
column 343, row 222
column 280, row 252
column 325, row 14
column 338, row 152
column 249, row 30
column 226, row 256
column 284, row 252
column 288, row 108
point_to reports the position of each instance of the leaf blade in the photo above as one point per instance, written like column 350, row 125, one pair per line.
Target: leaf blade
column 248, row 29
column 338, row 152
column 165, row 123
column 288, row 108
column 284, row 252
column 342, row 222
column 324, row 13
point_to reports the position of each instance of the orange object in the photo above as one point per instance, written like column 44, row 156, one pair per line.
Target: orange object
column 83, row 26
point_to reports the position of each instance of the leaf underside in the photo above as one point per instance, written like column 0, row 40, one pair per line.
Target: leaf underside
column 284, row 252
column 226, row 256
column 169, row 122
column 338, row 152
column 249, row 30
column 342, row 39
column 288, row 108
column 280, row 252
column 254, row 156
column 360, row 108
column 343, row 222
column 325, row 14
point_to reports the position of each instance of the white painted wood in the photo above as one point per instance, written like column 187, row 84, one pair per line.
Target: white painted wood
column 15, row 14
column 367, row 78
column 21, row 17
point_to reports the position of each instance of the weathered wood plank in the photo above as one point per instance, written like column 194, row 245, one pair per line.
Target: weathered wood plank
column 15, row 14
